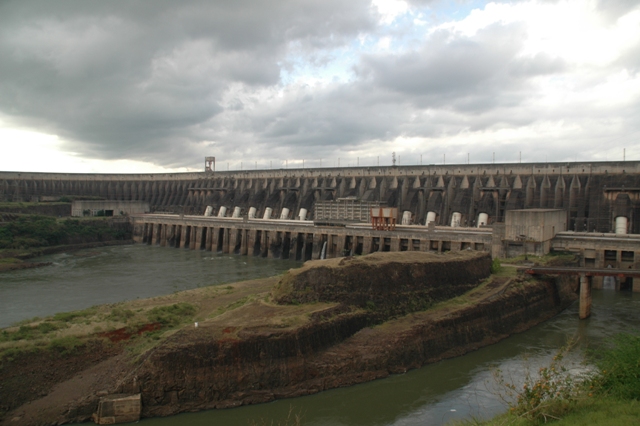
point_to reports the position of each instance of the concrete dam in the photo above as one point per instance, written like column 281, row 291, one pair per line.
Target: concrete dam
column 598, row 197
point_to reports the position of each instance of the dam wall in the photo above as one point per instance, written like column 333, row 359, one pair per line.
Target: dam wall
column 598, row 196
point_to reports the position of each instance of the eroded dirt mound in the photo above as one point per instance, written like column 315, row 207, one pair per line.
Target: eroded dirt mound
column 388, row 283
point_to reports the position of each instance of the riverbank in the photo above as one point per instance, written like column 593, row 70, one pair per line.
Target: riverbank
column 607, row 394
column 245, row 314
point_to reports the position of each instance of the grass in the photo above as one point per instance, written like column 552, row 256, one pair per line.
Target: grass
column 172, row 315
column 553, row 258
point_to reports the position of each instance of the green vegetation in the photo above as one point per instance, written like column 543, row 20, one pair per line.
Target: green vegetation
column 26, row 332
column 70, row 316
column 65, row 345
column 619, row 367
column 172, row 315
column 42, row 231
column 495, row 266
column 609, row 396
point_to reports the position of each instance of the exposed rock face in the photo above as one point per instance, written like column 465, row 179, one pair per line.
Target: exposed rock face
column 205, row 367
column 389, row 283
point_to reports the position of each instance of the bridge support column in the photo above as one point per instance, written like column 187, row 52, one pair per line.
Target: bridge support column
column 155, row 231
column 244, row 246
column 183, row 236
column 366, row 245
column 264, row 244
column 340, row 242
column 193, row 237
column 163, row 235
column 585, row 297
column 225, row 240
column 424, row 244
column 233, row 240
column 198, row 237
column 317, row 246
column 395, row 244
column 215, row 236
column 208, row 240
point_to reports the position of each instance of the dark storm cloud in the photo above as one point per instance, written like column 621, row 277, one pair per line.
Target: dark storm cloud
column 133, row 79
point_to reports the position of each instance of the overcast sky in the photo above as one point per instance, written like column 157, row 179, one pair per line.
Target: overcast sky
column 153, row 86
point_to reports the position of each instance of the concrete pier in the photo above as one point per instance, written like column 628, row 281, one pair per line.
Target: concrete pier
column 585, row 297
column 298, row 240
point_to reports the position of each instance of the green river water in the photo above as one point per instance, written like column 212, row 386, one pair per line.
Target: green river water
column 459, row 388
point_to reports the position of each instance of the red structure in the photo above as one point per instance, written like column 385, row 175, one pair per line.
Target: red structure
column 384, row 218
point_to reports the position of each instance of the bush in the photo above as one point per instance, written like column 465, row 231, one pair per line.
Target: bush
column 619, row 366
column 549, row 394
column 496, row 266
column 172, row 315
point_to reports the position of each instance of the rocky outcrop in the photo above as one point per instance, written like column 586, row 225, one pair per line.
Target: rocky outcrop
column 387, row 283
column 205, row 367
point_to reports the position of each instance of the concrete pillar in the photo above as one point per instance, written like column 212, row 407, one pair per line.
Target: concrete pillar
column 155, row 231
column 366, row 245
column 183, row 236
column 264, row 244
column 193, row 237
column 585, row 297
column 317, row 246
column 340, row 241
column 395, row 244
column 225, row 240
column 215, row 237
column 244, row 247
column 233, row 240
column 424, row 244
column 163, row 235
column 208, row 239
column 456, row 245
column 198, row 239
column 251, row 240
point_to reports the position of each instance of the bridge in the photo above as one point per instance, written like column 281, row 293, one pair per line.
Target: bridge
column 585, row 275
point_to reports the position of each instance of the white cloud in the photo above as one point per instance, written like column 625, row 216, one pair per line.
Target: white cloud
column 389, row 10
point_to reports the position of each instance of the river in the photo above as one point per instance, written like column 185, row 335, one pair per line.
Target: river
column 459, row 388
